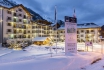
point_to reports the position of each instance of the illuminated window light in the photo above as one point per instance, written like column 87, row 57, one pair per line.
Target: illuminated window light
column 1, row 20
column 14, row 17
column 25, row 19
column 12, row 36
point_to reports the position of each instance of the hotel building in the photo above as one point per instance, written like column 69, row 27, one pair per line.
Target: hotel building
column 85, row 32
column 16, row 25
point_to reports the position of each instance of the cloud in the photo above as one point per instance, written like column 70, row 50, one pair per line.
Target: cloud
column 86, row 10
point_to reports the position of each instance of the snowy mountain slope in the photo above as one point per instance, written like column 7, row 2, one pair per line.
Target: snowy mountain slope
column 36, row 16
column 10, row 3
column 7, row 3
column 48, row 19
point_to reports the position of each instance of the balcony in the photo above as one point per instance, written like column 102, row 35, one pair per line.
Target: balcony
column 8, row 32
column 9, row 20
column 25, row 22
column 15, row 32
column 92, row 32
column 15, row 37
column 23, row 27
column 24, row 32
column 87, row 37
column 16, row 26
column 19, row 26
column 14, row 20
column 29, row 22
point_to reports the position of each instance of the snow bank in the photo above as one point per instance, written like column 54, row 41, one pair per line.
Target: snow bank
column 99, row 65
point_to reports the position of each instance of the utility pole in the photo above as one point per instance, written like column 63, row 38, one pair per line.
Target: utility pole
column 56, row 27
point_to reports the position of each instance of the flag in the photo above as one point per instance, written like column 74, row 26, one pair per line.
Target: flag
column 55, row 13
column 55, row 26
column 74, row 14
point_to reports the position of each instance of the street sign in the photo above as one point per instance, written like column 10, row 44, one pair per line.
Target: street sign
column 70, row 35
column 88, row 44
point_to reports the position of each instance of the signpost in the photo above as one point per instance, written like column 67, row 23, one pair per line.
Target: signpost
column 70, row 35
column 102, row 43
column 88, row 44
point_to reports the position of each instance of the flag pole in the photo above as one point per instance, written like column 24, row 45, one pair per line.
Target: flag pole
column 56, row 28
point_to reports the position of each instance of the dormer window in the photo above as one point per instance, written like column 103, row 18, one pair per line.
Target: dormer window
column 20, row 9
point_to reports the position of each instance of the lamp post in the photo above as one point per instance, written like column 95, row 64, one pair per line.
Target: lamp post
column 51, row 46
column 32, row 33
column 56, row 27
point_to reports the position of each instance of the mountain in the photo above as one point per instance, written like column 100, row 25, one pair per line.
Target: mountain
column 49, row 19
column 36, row 16
column 61, row 23
column 10, row 3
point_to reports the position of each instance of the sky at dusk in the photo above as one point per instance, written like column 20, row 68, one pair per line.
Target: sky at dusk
column 86, row 10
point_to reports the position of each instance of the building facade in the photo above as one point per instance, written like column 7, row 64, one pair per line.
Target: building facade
column 16, row 25
column 85, row 32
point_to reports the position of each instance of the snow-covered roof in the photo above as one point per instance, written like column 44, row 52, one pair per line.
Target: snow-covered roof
column 53, row 24
column 85, row 25
column 88, row 26
column 39, row 38
column 61, row 28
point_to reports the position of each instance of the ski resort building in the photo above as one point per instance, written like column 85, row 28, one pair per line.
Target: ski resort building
column 16, row 25
column 85, row 32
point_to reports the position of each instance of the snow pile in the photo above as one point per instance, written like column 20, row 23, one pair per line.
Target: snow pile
column 97, row 66
column 43, row 49
column 36, row 49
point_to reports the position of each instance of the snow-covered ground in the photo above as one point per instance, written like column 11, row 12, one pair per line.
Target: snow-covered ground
column 39, row 58
column 97, row 66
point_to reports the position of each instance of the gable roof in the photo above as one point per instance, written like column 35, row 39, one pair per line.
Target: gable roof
column 17, row 6
column 22, row 7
